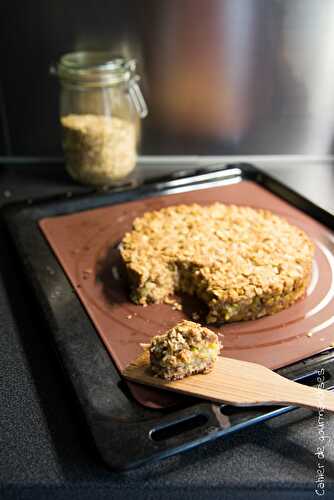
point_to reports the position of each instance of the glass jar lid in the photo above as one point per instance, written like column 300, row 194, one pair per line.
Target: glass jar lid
column 101, row 69
column 95, row 68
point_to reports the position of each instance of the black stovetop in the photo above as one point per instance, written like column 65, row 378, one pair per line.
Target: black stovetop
column 45, row 454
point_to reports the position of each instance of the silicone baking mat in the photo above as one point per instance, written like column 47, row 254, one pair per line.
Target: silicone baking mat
column 86, row 244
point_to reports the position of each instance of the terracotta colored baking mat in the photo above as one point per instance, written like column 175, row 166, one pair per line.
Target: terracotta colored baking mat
column 86, row 244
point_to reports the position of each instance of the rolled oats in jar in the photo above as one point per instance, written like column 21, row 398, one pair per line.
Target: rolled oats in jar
column 101, row 106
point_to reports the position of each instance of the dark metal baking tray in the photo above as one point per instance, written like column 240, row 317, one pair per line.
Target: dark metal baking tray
column 127, row 434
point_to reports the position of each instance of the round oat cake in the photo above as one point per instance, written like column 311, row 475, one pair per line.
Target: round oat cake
column 244, row 263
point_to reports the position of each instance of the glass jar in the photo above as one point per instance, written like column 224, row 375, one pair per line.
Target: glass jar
column 100, row 109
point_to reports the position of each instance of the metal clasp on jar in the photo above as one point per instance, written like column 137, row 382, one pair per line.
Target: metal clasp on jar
column 134, row 91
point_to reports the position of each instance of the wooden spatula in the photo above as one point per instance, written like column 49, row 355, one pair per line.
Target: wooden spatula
column 236, row 382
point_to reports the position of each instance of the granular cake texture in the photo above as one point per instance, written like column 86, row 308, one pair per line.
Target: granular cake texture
column 243, row 263
column 186, row 349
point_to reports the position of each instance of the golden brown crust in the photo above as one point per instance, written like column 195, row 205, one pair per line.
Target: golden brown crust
column 244, row 263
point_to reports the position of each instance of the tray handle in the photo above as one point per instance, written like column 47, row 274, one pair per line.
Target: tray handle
column 126, row 445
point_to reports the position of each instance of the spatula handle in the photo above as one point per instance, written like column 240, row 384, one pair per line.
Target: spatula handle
column 310, row 397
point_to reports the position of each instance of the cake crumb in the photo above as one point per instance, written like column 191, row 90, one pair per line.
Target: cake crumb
column 169, row 300
column 176, row 306
column 309, row 334
column 195, row 316
column 129, row 316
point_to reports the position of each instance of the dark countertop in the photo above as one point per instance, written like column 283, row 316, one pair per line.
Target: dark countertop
column 45, row 453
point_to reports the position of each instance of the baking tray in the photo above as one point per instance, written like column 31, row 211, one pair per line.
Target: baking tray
column 126, row 433
column 87, row 245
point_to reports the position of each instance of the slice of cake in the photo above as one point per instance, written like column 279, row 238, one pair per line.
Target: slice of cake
column 243, row 263
column 186, row 349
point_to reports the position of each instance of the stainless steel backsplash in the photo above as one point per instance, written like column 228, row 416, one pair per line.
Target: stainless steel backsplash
column 220, row 76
